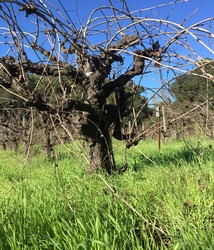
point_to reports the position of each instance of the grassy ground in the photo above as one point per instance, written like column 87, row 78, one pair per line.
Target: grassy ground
column 165, row 200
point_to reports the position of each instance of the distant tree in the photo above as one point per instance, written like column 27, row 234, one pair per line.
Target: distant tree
column 74, row 64
column 195, row 87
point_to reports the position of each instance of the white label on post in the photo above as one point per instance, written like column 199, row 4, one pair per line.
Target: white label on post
column 158, row 111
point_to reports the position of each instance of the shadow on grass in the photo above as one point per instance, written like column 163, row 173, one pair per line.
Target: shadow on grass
column 184, row 156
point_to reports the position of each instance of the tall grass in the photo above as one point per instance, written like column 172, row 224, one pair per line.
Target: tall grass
column 58, row 206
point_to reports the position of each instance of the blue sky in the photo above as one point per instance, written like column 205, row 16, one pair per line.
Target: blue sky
column 181, row 10
column 202, row 9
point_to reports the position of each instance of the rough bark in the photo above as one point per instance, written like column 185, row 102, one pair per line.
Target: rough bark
column 96, row 130
column 101, row 154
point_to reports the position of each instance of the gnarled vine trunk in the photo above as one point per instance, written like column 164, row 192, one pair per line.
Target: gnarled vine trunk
column 96, row 131
column 101, row 154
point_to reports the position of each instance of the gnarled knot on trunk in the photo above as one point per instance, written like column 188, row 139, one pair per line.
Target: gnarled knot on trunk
column 29, row 9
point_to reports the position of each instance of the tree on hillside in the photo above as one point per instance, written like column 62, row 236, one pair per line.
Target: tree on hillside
column 74, row 64
column 194, row 88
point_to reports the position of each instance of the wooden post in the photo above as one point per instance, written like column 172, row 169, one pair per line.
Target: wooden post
column 164, row 124
column 159, row 131
column 207, row 111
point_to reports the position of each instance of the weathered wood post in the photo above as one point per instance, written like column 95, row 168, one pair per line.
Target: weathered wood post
column 158, row 123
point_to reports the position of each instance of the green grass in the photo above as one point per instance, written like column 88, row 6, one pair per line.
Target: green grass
column 157, row 204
